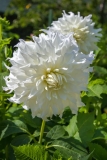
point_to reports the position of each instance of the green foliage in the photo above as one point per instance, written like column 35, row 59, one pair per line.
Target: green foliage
column 99, row 152
column 56, row 132
column 2, row 82
column 35, row 122
column 4, row 23
column 95, row 90
column 71, row 128
column 12, row 127
column 31, row 152
column 65, row 149
column 85, row 127
column 81, row 127
column 21, row 140
column 86, row 157
column 57, row 155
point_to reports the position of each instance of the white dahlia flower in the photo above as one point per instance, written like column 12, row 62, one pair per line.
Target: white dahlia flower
column 83, row 30
column 48, row 74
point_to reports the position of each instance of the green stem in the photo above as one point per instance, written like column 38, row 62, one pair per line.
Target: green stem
column 0, row 32
column 41, row 132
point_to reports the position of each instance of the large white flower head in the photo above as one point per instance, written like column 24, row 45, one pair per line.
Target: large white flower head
column 83, row 30
column 48, row 74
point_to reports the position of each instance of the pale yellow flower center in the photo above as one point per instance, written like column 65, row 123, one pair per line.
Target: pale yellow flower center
column 80, row 34
column 54, row 80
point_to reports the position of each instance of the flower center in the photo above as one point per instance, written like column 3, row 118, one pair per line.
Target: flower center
column 53, row 79
column 80, row 33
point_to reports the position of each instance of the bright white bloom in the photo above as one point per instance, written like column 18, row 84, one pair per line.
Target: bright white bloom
column 82, row 28
column 48, row 74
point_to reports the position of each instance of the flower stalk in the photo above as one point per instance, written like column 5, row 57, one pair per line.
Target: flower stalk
column 41, row 131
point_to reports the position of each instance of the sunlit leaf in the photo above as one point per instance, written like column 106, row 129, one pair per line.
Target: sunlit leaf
column 31, row 152
column 72, row 127
column 95, row 90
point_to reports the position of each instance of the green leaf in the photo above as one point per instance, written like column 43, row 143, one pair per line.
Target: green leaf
column 36, row 134
column 85, row 127
column 99, row 152
column 4, row 42
column 58, row 143
column 3, row 132
column 65, row 149
column 2, row 81
column 21, row 140
column 31, row 152
column 12, row 128
column 4, row 22
column 96, row 81
column 100, row 134
column 72, row 127
column 95, row 90
column 56, row 132
column 21, row 125
column 104, row 88
column 86, row 157
column 101, row 71
column 57, row 155
column 75, row 144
